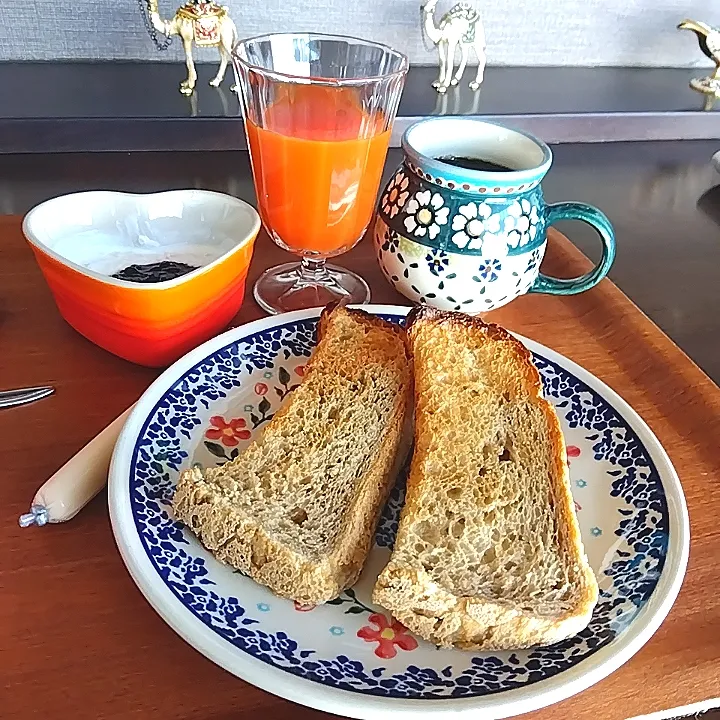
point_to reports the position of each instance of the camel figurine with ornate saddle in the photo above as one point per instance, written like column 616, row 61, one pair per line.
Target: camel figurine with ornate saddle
column 459, row 28
column 202, row 22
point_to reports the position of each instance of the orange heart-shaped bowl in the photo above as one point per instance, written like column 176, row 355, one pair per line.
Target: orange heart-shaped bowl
column 80, row 240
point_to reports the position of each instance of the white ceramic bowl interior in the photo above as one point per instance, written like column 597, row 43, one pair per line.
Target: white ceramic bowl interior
column 102, row 232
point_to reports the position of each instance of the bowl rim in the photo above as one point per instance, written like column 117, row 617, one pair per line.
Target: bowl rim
column 33, row 240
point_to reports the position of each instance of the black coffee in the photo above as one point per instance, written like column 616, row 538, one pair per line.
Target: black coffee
column 154, row 272
column 469, row 163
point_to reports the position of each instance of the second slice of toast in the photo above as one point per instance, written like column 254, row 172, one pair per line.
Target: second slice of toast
column 488, row 553
column 297, row 509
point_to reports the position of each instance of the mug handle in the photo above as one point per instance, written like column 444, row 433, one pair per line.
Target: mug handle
column 597, row 219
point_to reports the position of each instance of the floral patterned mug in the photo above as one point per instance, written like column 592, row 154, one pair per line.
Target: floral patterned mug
column 473, row 240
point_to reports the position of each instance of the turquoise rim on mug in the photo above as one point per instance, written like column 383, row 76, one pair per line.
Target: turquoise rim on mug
column 519, row 179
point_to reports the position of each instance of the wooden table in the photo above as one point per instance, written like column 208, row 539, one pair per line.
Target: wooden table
column 80, row 641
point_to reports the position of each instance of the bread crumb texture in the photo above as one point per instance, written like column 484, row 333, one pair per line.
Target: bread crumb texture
column 488, row 553
column 298, row 508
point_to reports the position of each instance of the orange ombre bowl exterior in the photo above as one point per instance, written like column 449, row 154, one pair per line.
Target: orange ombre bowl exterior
column 149, row 324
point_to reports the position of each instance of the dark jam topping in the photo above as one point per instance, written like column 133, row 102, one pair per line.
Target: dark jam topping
column 154, row 272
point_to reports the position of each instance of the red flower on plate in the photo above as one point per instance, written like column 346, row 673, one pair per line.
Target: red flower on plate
column 261, row 389
column 573, row 451
column 303, row 608
column 228, row 433
column 387, row 635
column 300, row 370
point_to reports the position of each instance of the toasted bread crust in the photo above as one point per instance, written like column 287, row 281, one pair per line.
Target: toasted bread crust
column 439, row 614
column 309, row 575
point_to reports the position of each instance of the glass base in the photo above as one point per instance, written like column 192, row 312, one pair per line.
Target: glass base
column 308, row 284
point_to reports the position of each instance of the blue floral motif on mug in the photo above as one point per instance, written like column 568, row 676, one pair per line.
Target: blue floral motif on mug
column 489, row 269
column 437, row 261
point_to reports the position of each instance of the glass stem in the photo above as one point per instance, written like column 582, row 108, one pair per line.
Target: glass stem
column 313, row 270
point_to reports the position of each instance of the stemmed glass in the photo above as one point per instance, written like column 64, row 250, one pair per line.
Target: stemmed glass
column 318, row 115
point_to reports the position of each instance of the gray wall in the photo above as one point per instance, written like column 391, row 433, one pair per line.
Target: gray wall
column 520, row 32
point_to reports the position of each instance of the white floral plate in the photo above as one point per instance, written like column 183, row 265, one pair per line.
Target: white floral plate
column 348, row 657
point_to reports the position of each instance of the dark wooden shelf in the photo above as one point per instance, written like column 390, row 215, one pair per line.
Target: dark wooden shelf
column 124, row 106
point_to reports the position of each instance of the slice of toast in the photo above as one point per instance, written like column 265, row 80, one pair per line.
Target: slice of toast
column 297, row 509
column 488, row 554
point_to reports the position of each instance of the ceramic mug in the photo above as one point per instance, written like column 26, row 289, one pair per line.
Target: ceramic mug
column 472, row 240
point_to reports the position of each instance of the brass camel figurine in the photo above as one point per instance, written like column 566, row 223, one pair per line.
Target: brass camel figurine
column 207, row 25
column 709, row 42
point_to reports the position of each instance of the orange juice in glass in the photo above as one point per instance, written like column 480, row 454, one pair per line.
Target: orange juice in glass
column 318, row 116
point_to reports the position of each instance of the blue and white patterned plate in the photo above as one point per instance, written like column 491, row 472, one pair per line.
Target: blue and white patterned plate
column 348, row 656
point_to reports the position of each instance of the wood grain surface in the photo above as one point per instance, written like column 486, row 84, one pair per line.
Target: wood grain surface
column 78, row 639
